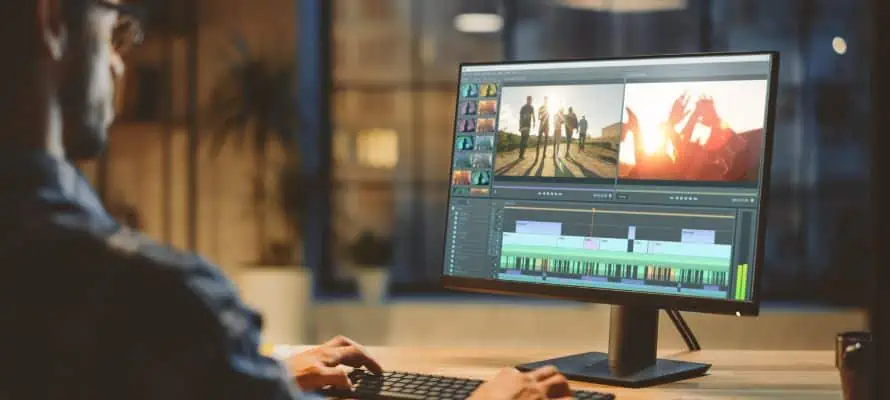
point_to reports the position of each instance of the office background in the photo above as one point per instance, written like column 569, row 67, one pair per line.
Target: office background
column 371, row 88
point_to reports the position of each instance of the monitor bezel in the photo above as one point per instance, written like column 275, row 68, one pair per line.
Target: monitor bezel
column 617, row 297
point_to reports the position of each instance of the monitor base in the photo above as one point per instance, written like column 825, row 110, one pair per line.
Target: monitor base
column 594, row 368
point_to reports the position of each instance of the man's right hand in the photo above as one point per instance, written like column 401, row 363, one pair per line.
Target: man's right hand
column 319, row 367
column 510, row 384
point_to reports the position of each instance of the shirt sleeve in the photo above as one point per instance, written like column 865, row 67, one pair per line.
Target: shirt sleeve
column 246, row 372
column 208, row 333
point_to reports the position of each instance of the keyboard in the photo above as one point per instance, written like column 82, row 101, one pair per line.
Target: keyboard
column 411, row 386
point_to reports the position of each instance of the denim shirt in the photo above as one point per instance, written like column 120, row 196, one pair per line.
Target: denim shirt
column 92, row 310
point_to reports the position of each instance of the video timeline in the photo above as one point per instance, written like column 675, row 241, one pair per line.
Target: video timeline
column 620, row 248
column 579, row 268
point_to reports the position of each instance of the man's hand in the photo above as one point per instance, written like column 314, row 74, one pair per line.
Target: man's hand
column 679, row 110
column 510, row 384
column 632, row 124
column 319, row 367
column 708, row 112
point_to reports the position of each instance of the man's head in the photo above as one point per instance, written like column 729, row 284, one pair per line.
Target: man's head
column 66, row 87
column 528, row 100
column 570, row 110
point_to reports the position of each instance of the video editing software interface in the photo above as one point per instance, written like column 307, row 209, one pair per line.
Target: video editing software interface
column 630, row 175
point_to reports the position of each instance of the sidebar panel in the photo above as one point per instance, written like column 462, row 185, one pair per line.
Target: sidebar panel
column 467, row 239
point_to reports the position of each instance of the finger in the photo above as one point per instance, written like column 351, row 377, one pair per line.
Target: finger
column 556, row 386
column 339, row 341
column 335, row 377
column 349, row 345
column 355, row 356
column 509, row 372
column 343, row 341
column 544, row 373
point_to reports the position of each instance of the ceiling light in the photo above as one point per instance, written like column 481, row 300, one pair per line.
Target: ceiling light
column 839, row 45
column 478, row 23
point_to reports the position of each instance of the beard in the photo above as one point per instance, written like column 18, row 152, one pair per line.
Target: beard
column 86, row 114
column 85, row 125
column 86, row 95
column 84, row 143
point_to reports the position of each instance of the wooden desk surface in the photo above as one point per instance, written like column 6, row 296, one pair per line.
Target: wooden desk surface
column 734, row 374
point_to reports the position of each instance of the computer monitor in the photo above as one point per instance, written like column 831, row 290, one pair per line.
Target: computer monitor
column 637, row 182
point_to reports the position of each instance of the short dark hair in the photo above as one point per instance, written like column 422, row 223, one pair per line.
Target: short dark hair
column 16, row 18
column 20, row 42
column 19, row 37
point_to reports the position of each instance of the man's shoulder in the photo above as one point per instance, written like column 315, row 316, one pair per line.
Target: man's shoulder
column 133, row 245
column 134, row 257
column 121, row 247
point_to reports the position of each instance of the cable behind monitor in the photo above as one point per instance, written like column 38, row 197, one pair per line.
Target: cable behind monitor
column 685, row 331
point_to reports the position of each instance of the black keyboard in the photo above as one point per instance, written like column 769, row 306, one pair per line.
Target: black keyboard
column 410, row 386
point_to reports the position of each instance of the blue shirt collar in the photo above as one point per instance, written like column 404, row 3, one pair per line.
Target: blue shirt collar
column 48, row 180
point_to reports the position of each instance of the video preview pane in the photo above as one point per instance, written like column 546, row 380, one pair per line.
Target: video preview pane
column 569, row 131
column 693, row 131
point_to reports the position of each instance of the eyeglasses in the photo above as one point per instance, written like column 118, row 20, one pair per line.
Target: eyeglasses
column 128, row 30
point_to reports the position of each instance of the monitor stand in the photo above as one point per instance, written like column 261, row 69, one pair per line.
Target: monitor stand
column 631, row 361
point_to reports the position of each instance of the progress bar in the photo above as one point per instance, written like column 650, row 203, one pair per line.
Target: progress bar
column 625, row 190
column 568, row 189
column 600, row 211
column 685, row 192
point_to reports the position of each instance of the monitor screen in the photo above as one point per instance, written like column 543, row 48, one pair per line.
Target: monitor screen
column 624, row 176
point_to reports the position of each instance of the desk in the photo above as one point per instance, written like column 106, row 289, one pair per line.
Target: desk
column 776, row 375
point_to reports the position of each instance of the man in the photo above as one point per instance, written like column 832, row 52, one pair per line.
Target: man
column 467, row 143
column 469, row 125
column 92, row 310
column 526, row 124
column 558, row 121
column 543, row 128
column 468, row 107
column 582, row 132
column 571, row 125
column 469, row 90
column 491, row 90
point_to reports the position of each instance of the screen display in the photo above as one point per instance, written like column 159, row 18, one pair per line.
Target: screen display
column 638, row 175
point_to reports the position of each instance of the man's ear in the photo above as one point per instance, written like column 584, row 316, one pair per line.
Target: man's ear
column 51, row 23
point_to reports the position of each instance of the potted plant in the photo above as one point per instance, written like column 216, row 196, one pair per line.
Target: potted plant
column 252, row 105
column 371, row 257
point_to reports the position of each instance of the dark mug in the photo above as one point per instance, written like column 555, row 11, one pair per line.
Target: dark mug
column 854, row 358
